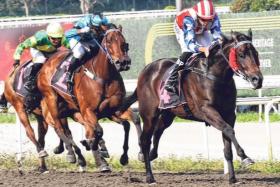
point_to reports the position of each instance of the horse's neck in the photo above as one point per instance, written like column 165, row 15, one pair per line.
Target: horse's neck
column 101, row 65
column 218, row 65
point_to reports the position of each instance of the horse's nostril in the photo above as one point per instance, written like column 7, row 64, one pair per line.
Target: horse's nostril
column 255, row 79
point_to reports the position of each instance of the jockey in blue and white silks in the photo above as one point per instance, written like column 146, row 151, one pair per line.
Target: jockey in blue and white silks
column 85, row 30
column 192, row 28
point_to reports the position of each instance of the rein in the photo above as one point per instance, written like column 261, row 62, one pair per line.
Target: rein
column 104, row 49
column 231, row 61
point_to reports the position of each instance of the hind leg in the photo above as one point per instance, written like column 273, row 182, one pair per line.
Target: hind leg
column 150, row 119
column 165, row 120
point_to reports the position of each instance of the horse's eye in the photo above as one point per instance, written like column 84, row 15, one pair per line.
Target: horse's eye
column 241, row 55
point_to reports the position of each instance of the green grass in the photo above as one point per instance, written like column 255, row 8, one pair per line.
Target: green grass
column 170, row 164
column 241, row 118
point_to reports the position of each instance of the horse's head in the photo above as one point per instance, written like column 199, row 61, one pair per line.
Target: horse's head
column 115, row 45
column 244, row 58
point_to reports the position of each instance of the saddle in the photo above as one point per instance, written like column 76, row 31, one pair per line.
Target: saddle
column 169, row 99
column 21, row 77
column 31, row 100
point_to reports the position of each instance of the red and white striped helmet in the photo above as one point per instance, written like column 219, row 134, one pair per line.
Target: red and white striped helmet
column 205, row 9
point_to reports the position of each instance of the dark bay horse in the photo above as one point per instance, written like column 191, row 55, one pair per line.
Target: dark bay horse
column 98, row 90
column 17, row 102
column 210, row 94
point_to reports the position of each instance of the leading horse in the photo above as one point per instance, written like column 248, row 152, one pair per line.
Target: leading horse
column 209, row 91
column 98, row 90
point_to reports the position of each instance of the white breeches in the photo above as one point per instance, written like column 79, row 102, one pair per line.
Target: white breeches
column 37, row 56
column 77, row 48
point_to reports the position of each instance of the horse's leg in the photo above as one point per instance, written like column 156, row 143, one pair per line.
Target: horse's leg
column 165, row 120
column 135, row 118
column 214, row 118
column 60, row 148
column 81, row 159
column 149, row 121
column 230, row 119
column 23, row 117
column 51, row 102
column 99, row 160
column 42, row 130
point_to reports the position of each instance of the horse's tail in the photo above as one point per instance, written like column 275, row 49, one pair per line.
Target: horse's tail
column 128, row 101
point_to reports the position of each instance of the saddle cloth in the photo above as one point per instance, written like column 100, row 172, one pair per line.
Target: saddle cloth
column 21, row 77
column 58, row 80
column 169, row 99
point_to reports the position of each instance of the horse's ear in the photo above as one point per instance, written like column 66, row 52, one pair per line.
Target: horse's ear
column 250, row 34
column 233, row 35
column 120, row 28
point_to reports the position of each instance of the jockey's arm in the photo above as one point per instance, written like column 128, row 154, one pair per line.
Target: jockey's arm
column 189, row 34
column 216, row 29
column 28, row 43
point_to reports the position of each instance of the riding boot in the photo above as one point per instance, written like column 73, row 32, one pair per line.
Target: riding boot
column 30, row 84
column 171, row 83
column 74, row 64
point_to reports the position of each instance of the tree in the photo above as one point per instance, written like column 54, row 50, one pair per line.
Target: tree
column 254, row 5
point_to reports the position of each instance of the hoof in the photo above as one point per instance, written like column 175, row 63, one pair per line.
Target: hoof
column 104, row 153
column 71, row 159
column 153, row 155
column 82, row 162
column 141, row 157
column 104, row 168
column 151, row 181
column 43, row 154
column 43, row 170
column 58, row 150
column 82, row 169
column 85, row 143
column 232, row 181
column 247, row 162
column 124, row 160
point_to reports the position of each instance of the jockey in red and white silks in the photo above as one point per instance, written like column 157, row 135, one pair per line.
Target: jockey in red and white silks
column 192, row 27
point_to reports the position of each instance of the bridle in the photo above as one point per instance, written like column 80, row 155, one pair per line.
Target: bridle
column 232, row 59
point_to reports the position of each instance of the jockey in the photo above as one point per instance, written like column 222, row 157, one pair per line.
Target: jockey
column 42, row 45
column 87, row 29
column 192, row 28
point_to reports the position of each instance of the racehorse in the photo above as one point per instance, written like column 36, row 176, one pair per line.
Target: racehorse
column 98, row 90
column 209, row 91
column 17, row 102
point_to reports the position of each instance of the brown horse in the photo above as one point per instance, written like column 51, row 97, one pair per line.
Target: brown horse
column 17, row 102
column 209, row 91
column 96, row 96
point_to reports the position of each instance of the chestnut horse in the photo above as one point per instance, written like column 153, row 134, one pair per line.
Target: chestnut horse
column 98, row 90
column 210, row 94
column 17, row 102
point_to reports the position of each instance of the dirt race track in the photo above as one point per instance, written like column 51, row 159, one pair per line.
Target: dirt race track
column 61, row 179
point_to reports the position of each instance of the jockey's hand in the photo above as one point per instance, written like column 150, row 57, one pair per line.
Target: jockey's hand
column 205, row 50
column 16, row 63
column 84, row 30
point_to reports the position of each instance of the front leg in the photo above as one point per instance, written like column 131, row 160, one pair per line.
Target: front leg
column 213, row 117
